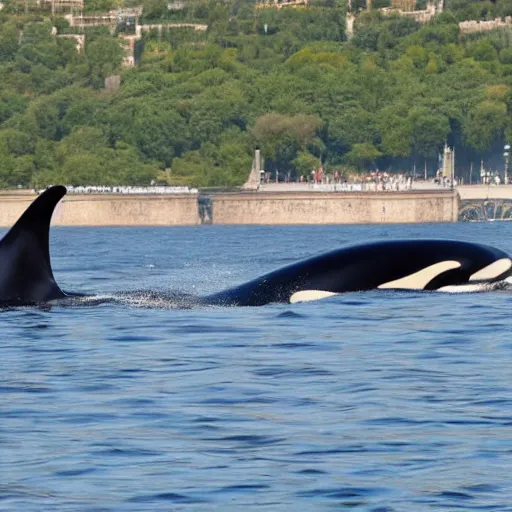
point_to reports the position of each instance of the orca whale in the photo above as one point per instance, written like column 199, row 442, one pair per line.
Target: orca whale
column 26, row 275
column 443, row 265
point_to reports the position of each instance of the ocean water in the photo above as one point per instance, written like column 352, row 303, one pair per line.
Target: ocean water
column 377, row 401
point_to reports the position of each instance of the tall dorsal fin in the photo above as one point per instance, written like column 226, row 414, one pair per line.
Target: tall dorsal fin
column 26, row 274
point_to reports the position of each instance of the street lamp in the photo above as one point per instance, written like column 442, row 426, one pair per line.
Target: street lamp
column 506, row 154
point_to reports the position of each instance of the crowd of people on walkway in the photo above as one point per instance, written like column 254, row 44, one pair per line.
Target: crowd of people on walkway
column 375, row 181
column 97, row 189
column 371, row 182
column 445, row 182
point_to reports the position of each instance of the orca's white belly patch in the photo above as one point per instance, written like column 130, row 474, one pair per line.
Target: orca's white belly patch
column 310, row 295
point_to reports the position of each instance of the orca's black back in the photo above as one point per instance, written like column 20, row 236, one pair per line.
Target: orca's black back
column 363, row 267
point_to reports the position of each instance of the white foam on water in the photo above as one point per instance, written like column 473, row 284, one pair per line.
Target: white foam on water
column 94, row 298
column 157, row 299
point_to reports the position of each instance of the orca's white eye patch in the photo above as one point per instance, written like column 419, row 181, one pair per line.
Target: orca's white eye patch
column 492, row 271
column 310, row 295
column 420, row 279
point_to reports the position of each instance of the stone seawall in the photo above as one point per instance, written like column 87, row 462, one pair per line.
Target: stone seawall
column 110, row 210
column 242, row 208
column 335, row 208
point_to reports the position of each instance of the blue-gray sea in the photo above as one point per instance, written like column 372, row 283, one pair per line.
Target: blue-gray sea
column 377, row 401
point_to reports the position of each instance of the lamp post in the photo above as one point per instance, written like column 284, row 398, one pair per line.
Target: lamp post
column 506, row 154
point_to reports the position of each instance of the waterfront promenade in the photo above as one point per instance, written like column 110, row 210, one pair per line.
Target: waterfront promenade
column 466, row 192
column 349, row 187
column 280, row 206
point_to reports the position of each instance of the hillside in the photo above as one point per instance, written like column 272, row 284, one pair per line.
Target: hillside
column 197, row 103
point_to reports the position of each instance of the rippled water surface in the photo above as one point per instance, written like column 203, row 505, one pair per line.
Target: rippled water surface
column 375, row 401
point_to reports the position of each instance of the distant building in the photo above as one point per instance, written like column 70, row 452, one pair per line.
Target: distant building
column 112, row 83
column 406, row 8
column 54, row 5
column 404, row 5
column 421, row 16
column 131, row 12
column 448, row 170
column 176, row 5
column 471, row 27
column 278, row 4
column 350, row 21
column 79, row 40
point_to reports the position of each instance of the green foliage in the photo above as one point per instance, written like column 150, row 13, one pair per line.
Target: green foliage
column 16, row 143
column 282, row 137
column 304, row 163
column 285, row 81
column 362, row 156
column 486, row 122
column 92, row 6
column 155, row 9
column 104, row 56
column 429, row 130
column 8, row 41
column 160, row 134
column 10, row 104
column 482, row 50
column 479, row 9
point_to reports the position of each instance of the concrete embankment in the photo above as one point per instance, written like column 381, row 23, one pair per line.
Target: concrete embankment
column 243, row 208
column 335, row 208
column 110, row 210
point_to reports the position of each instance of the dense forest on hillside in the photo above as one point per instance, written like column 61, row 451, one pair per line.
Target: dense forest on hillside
column 287, row 81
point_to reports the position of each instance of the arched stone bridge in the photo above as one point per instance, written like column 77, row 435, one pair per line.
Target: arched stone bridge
column 480, row 203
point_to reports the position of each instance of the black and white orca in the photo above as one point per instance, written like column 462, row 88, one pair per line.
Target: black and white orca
column 443, row 265
column 26, row 275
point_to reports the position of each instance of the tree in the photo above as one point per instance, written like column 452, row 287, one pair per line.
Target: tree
column 8, row 42
column 429, row 130
column 485, row 123
column 11, row 104
column 361, row 156
column 17, row 143
column 304, row 162
column 192, row 169
column 159, row 135
column 16, row 171
column 231, row 163
column 353, row 125
column 101, row 5
column 395, row 130
column 104, row 57
column 482, row 50
column 281, row 137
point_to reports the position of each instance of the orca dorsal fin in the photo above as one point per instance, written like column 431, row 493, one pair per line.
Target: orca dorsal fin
column 26, row 275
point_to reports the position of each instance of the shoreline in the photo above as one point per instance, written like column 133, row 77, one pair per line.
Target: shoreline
column 242, row 208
